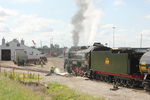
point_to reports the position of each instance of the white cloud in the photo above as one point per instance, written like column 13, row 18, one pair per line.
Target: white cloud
column 32, row 27
column 98, row 1
column 108, row 26
column 146, row 33
column 147, row 1
column 123, row 37
column 5, row 14
column 119, row 2
column 33, row 23
column 147, row 16
column 4, row 28
column 36, row 28
column 24, row 1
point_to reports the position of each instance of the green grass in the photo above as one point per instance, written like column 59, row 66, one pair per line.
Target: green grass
column 11, row 90
column 62, row 92
column 25, row 77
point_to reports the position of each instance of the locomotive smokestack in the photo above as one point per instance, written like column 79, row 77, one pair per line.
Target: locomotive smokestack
column 85, row 21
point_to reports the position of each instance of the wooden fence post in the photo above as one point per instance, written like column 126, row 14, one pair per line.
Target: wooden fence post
column 5, row 73
column 38, row 78
column 23, row 77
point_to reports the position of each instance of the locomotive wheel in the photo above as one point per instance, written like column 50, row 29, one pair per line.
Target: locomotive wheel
column 97, row 77
column 146, row 87
column 122, row 82
column 106, row 79
column 130, row 83
column 74, row 71
column 125, row 83
column 69, row 70
column 118, row 81
column 109, row 79
column 91, row 75
column 101, row 78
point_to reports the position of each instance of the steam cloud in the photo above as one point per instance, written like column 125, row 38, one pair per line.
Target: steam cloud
column 85, row 21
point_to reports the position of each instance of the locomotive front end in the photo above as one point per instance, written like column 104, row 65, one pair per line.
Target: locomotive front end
column 145, row 63
column 145, row 69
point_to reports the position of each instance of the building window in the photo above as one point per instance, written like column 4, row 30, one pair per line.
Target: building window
column 18, row 45
column 31, row 53
column 25, row 52
column 7, row 44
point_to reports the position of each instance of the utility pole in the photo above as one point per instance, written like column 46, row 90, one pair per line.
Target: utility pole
column 49, row 46
column 141, row 41
column 41, row 44
column 113, row 36
column 51, row 43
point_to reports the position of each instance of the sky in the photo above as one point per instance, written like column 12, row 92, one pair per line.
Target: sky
column 49, row 21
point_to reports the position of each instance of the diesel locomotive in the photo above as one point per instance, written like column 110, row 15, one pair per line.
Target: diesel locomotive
column 125, row 66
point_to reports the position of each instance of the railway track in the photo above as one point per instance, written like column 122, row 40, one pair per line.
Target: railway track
column 25, row 69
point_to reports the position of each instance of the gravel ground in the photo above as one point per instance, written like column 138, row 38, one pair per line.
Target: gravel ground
column 99, row 88
column 89, row 86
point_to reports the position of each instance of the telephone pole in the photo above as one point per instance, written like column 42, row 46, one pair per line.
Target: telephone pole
column 141, row 41
column 113, row 36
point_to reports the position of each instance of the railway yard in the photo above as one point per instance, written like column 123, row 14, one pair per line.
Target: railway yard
column 81, row 84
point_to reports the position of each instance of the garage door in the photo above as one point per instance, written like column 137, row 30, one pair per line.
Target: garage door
column 6, row 54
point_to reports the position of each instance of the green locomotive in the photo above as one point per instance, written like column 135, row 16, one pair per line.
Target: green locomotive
column 99, row 62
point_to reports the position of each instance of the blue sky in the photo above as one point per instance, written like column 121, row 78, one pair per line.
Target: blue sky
column 40, row 20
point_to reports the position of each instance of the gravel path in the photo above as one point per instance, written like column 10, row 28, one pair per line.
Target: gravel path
column 99, row 88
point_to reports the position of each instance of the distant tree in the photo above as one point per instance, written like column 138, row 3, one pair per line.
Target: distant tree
column 56, row 46
column 52, row 46
column 33, row 47
column 45, row 46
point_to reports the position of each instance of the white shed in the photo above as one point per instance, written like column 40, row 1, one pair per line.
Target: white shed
column 7, row 50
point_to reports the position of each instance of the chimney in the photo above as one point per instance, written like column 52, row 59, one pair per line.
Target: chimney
column 22, row 42
column 3, row 41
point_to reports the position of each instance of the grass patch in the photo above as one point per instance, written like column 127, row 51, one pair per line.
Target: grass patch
column 62, row 92
column 25, row 77
column 11, row 90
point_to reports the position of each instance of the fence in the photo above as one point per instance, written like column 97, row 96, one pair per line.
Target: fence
column 24, row 77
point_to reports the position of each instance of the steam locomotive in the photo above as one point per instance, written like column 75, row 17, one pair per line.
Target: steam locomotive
column 128, row 67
